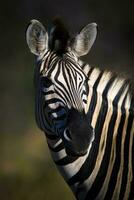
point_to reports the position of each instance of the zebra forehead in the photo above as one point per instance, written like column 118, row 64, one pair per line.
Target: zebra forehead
column 51, row 64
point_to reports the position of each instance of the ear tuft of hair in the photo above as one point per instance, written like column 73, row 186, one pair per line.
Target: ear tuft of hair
column 59, row 37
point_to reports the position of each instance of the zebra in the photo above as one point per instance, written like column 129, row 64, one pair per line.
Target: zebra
column 87, row 114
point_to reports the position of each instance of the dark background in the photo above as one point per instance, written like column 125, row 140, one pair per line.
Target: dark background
column 26, row 169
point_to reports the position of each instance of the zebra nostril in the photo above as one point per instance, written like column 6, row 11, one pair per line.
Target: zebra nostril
column 67, row 135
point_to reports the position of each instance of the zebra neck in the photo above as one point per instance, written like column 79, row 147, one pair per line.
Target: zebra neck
column 101, row 159
column 106, row 86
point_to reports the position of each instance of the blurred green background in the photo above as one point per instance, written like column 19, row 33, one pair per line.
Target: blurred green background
column 26, row 169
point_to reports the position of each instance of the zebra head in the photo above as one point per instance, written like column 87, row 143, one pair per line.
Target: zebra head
column 61, row 84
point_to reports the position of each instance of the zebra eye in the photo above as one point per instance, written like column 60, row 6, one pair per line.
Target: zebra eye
column 67, row 135
column 47, row 82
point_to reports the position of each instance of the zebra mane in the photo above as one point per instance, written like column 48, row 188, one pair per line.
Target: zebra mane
column 59, row 36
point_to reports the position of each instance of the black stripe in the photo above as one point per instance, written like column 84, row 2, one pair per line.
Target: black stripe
column 50, row 92
column 90, row 71
column 131, row 196
column 66, row 160
column 92, row 106
column 53, row 65
column 97, row 81
column 120, row 92
column 84, row 92
column 93, row 99
column 57, row 148
column 83, row 64
column 46, row 121
column 41, row 112
column 71, row 87
column 51, row 101
column 86, row 86
column 126, row 157
column 51, row 137
column 108, row 86
column 47, row 57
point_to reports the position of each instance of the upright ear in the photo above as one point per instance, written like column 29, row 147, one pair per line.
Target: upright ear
column 36, row 37
column 83, row 42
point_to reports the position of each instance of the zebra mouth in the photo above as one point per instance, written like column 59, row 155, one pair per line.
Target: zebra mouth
column 75, row 148
column 78, row 141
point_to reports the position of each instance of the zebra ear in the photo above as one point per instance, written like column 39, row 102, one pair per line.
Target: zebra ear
column 83, row 42
column 36, row 37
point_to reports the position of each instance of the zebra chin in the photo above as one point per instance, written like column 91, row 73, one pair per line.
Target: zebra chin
column 78, row 148
column 73, row 153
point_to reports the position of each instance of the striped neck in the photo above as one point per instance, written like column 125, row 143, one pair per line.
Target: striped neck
column 109, row 106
